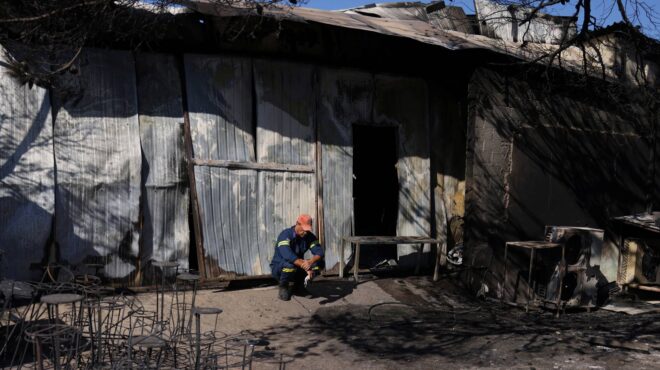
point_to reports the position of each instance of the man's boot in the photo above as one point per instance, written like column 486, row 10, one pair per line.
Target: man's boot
column 284, row 293
column 300, row 289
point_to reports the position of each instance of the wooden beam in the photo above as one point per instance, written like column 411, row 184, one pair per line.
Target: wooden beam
column 201, row 263
column 319, row 168
column 278, row 167
column 648, row 288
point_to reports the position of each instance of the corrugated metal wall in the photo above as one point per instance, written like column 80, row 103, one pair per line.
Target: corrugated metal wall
column 403, row 102
column 220, row 104
column 283, row 196
column 286, row 133
column 228, row 210
column 348, row 98
column 98, row 159
column 165, row 198
column 27, row 193
column 221, row 121
column 121, row 191
column 243, row 210
column 286, row 110
column 345, row 99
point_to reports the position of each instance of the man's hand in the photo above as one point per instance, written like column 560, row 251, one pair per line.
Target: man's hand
column 306, row 265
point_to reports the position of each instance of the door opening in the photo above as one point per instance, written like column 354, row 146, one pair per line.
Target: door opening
column 375, row 189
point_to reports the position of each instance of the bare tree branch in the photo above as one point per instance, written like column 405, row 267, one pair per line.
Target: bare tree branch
column 622, row 11
column 51, row 13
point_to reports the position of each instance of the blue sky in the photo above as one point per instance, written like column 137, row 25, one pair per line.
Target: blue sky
column 601, row 9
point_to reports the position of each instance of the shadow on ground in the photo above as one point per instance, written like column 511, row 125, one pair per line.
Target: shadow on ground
column 331, row 290
column 427, row 320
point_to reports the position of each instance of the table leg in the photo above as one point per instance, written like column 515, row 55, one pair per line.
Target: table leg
column 356, row 264
column 341, row 258
column 37, row 350
column 192, row 305
column 420, row 252
column 436, row 269
column 529, row 280
column 443, row 254
column 562, row 273
column 159, row 309
column 198, row 340
column 92, row 334
column 506, row 251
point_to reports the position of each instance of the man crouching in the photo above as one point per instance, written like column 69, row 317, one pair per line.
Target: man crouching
column 288, row 264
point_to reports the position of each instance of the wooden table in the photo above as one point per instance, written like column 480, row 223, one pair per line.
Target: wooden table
column 441, row 247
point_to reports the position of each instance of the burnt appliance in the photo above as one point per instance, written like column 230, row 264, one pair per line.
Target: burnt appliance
column 639, row 257
column 583, row 284
column 639, row 263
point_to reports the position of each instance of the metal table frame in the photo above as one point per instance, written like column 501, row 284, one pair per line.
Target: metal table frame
column 441, row 247
column 533, row 246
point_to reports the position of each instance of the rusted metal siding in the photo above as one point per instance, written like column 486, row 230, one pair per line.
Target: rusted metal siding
column 403, row 102
column 286, row 115
column 243, row 210
column 27, row 193
column 165, row 199
column 282, row 197
column 285, row 112
column 398, row 11
column 220, row 107
column 345, row 99
column 228, row 210
column 98, row 159
column 451, row 18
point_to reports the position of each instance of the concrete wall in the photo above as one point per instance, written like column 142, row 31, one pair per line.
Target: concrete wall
column 551, row 157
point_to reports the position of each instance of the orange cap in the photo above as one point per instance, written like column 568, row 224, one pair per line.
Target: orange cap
column 305, row 221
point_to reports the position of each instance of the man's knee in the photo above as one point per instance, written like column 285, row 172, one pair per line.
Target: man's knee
column 285, row 272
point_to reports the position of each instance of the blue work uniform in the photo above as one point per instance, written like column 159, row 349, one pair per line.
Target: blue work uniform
column 290, row 247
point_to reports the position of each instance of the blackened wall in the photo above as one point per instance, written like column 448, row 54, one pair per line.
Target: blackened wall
column 561, row 155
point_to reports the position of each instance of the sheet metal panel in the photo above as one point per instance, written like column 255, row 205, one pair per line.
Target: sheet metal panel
column 413, row 29
column 98, row 159
column 451, row 18
column 425, row 32
column 282, row 197
column 243, row 211
column 403, row 102
column 220, row 107
column 286, row 114
column 286, row 111
column 166, row 233
column 400, row 11
column 27, row 185
column 345, row 98
column 500, row 21
column 228, row 213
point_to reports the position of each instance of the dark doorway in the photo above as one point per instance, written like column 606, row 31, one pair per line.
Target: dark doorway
column 375, row 188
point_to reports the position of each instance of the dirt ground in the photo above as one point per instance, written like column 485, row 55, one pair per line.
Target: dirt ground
column 394, row 323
